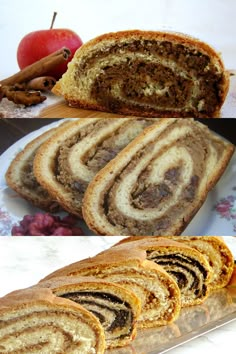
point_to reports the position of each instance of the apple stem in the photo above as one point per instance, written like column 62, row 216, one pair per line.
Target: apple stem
column 53, row 20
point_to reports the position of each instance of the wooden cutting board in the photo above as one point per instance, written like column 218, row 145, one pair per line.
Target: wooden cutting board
column 62, row 110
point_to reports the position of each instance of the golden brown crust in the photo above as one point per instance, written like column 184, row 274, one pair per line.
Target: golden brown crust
column 176, row 37
column 130, row 257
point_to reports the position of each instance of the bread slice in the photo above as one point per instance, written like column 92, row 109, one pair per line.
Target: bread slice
column 186, row 265
column 215, row 250
column 156, row 289
column 146, row 73
column 158, row 182
column 36, row 321
column 117, row 308
column 218, row 255
column 67, row 162
column 21, row 179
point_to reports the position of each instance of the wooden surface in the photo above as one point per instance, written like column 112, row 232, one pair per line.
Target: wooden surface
column 62, row 110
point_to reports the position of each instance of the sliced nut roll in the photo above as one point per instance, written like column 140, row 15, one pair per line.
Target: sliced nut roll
column 217, row 253
column 21, row 179
column 146, row 73
column 156, row 289
column 158, row 182
column 186, row 265
column 116, row 308
column 36, row 321
column 67, row 162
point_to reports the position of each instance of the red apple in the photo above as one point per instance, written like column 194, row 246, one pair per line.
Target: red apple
column 36, row 45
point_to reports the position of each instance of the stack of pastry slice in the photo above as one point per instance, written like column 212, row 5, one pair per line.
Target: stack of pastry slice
column 123, row 176
column 156, row 289
column 116, row 308
column 214, row 249
column 186, row 265
column 67, row 162
column 99, row 302
column 36, row 321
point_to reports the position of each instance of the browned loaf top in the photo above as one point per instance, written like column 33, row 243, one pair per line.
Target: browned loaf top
column 66, row 163
column 158, row 182
column 36, row 320
column 146, row 73
column 157, row 291
column 117, row 308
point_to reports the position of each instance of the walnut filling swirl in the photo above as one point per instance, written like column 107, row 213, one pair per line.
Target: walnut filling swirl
column 45, row 330
column 152, row 76
column 162, row 181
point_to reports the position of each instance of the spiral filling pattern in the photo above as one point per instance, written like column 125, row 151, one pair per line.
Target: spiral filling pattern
column 49, row 330
column 155, row 76
column 158, row 294
column 164, row 179
column 114, row 314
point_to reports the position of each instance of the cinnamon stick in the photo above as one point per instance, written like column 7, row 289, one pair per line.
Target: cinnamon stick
column 42, row 83
column 38, row 68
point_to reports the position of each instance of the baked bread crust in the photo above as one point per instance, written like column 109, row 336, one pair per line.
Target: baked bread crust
column 152, row 174
column 76, row 83
column 30, row 308
column 157, row 290
column 21, row 179
column 189, row 268
column 116, row 307
column 214, row 248
column 66, row 163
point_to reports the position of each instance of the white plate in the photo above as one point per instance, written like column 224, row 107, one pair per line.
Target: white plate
column 216, row 217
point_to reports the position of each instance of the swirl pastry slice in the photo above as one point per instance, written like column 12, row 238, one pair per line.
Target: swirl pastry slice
column 67, row 162
column 36, row 321
column 116, row 307
column 217, row 253
column 158, row 182
column 21, row 179
column 146, row 73
column 156, row 289
column 186, row 265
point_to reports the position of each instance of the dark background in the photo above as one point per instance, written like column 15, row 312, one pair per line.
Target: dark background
column 12, row 129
